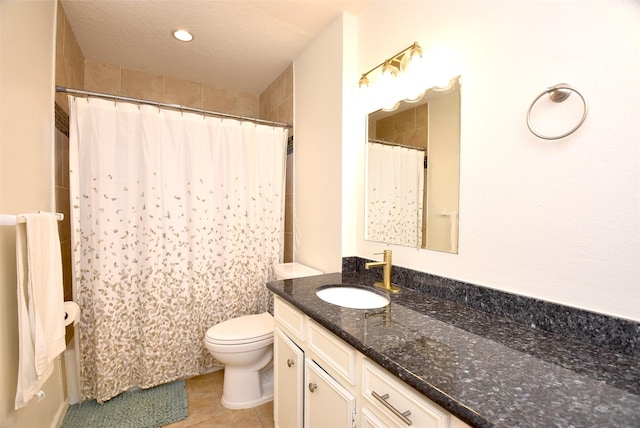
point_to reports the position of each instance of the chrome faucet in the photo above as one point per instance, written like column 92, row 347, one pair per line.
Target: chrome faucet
column 386, row 272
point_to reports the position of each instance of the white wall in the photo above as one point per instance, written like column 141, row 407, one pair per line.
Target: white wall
column 559, row 221
column 26, row 180
column 318, row 88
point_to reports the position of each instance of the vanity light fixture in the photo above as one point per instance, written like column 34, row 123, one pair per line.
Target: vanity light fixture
column 398, row 63
column 182, row 35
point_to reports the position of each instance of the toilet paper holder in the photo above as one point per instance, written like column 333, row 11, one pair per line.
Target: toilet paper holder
column 71, row 313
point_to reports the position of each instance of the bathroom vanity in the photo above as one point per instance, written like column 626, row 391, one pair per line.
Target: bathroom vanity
column 334, row 385
column 428, row 362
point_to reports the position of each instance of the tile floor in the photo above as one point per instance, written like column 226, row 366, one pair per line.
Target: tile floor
column 205, row 410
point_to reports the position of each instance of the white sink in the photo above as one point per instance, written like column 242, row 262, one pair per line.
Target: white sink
column 352, row 297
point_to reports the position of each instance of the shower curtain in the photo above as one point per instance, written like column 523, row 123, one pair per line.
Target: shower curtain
column 394, row 194
column 177, row 220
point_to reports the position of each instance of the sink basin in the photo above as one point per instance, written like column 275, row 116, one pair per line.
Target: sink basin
column 352, row 296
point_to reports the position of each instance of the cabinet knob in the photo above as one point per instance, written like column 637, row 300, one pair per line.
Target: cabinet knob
column 312, row 386
column 290, row 362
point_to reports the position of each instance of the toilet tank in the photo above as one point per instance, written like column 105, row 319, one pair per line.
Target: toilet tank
column 293, row 270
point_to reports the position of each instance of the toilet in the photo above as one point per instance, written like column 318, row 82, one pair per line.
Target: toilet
column 245, row 346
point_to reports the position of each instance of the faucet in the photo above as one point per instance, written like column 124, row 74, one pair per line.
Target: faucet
column 386, row 272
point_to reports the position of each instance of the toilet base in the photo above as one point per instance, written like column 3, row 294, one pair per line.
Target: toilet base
column 243, row 390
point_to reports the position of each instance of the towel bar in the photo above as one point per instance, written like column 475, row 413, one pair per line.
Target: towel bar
column 12, row 219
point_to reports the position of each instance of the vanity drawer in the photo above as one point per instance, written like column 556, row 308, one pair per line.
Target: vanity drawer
column 333, row 354
column 398, row 396
column 290, row 318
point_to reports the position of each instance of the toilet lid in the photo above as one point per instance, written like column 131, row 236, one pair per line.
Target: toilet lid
column 245, row 328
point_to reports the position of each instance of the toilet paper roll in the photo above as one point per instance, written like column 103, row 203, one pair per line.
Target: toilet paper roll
column 71, row 313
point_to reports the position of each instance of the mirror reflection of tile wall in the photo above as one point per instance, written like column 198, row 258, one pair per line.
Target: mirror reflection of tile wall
column 408, row 127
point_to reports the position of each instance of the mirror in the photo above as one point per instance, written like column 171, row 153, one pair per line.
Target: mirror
column 413, row 172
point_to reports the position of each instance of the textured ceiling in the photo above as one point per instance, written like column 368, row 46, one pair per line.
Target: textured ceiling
column 240, row 45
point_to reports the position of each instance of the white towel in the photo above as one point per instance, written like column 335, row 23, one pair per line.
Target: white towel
column 40, row 302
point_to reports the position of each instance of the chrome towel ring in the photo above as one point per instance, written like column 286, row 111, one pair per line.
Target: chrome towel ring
column 558, row 93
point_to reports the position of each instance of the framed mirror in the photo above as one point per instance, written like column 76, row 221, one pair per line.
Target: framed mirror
column 413, row 172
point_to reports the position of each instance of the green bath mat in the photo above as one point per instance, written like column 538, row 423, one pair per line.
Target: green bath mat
column 145, row 408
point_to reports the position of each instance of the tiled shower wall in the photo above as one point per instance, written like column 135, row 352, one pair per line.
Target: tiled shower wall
column 276, row 103
column 69, row 73
column 73, row 71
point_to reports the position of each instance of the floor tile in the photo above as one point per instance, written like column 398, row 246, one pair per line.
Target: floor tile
column 206, row 411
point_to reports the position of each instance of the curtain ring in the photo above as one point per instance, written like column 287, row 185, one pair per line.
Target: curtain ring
column 558, row 94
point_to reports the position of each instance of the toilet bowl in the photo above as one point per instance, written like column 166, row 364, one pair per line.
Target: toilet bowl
column 245, row 346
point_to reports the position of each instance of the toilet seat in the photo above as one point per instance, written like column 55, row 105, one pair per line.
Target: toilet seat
column 242, row 330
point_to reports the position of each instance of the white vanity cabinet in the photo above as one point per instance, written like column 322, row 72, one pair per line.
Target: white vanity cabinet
column 393, row 404
column 326, row 402
column 307, row 394
column 288, row 370
column 338, row 386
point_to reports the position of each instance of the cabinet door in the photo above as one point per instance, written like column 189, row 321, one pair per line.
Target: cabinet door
column 288, row 383
column 326, row 402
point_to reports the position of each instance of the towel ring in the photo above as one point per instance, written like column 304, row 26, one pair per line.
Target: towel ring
column 558, row 93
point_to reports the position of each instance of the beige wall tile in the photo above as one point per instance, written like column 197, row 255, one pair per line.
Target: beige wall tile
column 289, row 176
column 62, row 69
column 69, row 59
column 272, row 115
column 288, row 214
column 101, row 77
column 62, row 79
column 416, row 137
column 277, row 96
column 248, row 105
column 276, row 103
column 384, row 128
column 288, row 81
column 288, row 247
column 182, row 92
column 220, row 100
column 138, row 84
column 422, row 115
column 404, row 121
column 73, row 57
column 285, row 111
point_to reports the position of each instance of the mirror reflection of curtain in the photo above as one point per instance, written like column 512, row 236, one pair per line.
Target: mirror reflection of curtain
column 177, row 221
column 394, row 201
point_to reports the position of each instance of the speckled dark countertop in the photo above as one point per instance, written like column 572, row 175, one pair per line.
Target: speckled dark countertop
column 486, row 370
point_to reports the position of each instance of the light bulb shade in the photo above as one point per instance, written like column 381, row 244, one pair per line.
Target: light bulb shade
column 415, row 52
column 364, row 81
column 389, row 70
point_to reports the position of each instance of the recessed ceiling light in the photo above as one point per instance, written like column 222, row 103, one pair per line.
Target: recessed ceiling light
column 182, row 35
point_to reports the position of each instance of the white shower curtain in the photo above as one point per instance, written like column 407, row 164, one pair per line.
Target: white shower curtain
column 395, row 192
column 177, row 221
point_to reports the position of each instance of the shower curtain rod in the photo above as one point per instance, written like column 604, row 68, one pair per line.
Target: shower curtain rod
column 172, row 106
column 390, row 143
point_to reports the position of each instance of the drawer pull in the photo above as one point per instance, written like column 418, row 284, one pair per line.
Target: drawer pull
column 290, row 362
column 312, row 386
column 383, row 399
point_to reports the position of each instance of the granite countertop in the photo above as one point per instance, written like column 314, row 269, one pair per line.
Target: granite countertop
column 487, row 370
